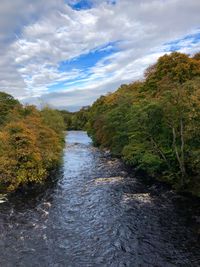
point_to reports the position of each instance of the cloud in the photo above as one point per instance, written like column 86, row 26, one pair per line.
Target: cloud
column 37, row 37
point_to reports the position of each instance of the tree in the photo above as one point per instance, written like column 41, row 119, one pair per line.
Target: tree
column 30, row 145
column 7, row 104
column 53, row 119
column 154, row 125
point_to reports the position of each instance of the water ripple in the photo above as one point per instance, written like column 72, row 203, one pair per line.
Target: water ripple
column 94, row 214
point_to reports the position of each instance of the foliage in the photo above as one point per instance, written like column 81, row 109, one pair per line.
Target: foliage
column 67, row 118
column 53, row 119
column 154, row 125
column 30, row 145
column 75, row 120
column 7, row 103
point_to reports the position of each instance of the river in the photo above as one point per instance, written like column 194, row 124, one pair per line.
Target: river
column 94, row 214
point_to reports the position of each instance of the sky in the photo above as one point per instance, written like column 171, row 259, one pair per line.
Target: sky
column 66, row 53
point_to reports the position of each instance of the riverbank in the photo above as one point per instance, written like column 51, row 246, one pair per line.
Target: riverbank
column 159, row 191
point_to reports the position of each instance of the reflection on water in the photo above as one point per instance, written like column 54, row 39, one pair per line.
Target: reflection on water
column 93, row 214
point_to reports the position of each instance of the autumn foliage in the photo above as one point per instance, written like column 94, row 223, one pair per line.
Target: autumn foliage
column 29, row 145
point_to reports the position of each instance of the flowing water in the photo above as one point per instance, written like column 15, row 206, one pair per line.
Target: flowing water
column 94, row 214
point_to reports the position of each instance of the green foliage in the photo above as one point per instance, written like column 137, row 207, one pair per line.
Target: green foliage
column 79, row 119
column 75, row 120
column 67, row 118
column 7, row 103
column 53, row 119
column 154, row 125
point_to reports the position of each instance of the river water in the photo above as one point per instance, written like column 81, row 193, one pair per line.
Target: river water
column 95, row 214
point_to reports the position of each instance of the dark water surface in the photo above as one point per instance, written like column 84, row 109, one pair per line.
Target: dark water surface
column 95, row 215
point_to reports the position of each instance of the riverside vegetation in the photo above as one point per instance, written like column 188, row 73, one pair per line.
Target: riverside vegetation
column 31, row 142
column 154, row 124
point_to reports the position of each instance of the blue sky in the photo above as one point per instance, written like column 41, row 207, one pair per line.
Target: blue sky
column 89, row 59
column 187, row 41
column 85, row 62
column 84, row 4
column 66, row 53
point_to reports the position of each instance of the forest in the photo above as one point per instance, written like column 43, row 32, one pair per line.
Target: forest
column 154, row 124
column 31, row 143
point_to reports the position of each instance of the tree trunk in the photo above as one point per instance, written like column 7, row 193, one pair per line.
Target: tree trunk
column 159, row 150
column 179, row 159
column 182, row 152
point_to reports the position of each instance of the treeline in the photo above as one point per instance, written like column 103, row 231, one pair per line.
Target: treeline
column 75, row 120
column 31, row 142
column 154, row 124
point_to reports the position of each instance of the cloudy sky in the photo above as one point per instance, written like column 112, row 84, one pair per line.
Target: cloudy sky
column 68, row 52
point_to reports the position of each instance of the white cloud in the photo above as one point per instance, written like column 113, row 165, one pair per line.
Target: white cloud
column 35, row 36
